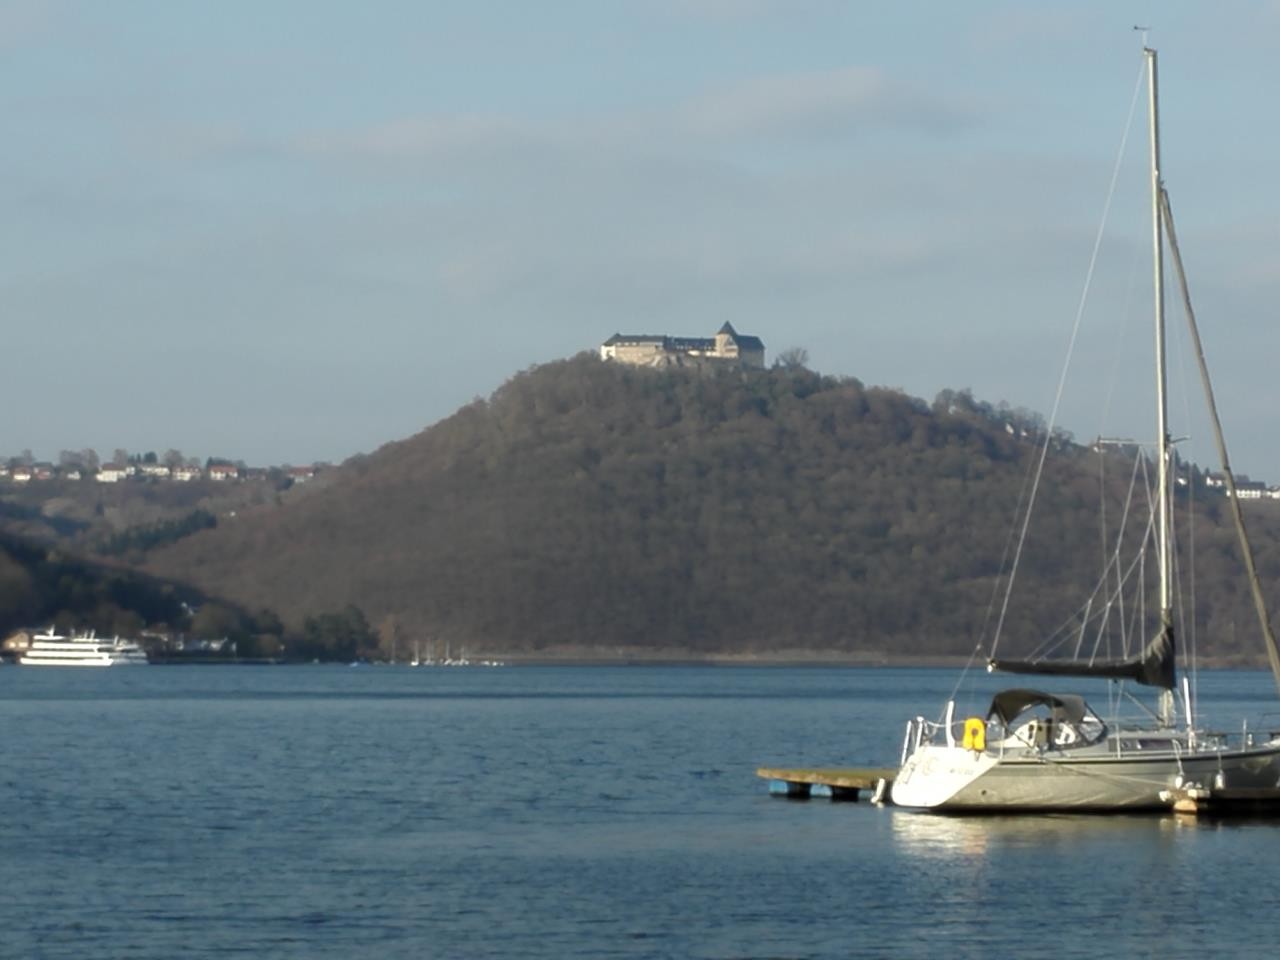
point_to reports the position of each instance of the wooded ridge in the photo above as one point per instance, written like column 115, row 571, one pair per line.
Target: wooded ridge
column 39, row 584
column 592, row 506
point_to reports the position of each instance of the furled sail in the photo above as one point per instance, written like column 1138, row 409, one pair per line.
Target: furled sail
column 1154, row 666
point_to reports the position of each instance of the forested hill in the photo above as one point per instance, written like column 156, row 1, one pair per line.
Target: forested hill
column 40, row 583
column 599, row 506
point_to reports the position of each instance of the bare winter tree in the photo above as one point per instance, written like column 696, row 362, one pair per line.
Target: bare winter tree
column 792, row 358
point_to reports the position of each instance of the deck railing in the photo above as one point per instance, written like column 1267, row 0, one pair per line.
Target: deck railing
column 1128, row 736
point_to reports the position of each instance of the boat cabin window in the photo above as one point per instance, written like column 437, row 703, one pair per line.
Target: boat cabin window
column 1138, row 744
column 1043, row 728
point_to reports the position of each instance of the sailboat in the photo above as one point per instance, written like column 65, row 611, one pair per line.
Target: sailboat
column 1039, row 750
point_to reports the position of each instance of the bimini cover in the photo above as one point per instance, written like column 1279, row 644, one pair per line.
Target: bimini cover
column 1008, row 704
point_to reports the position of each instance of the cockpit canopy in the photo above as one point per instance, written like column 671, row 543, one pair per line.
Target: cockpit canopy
column 1008, row 705
column 1036, row 719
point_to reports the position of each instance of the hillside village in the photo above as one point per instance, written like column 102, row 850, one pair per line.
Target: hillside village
column 22, row 470
column 730, row 347
column 650, row 350
column 727, row 347
column 1246, row 488
column 656, row 350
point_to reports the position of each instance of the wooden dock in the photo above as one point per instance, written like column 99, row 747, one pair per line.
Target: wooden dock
column 833, row 783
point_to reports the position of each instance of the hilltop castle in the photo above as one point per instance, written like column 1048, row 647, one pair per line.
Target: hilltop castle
column 659, row 350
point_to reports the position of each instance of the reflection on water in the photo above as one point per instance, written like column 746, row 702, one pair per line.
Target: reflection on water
column 941, row 835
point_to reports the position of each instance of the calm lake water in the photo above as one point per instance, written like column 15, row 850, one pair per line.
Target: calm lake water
column 561, row 812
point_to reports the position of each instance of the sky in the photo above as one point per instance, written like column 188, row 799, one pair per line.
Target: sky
column 293, row 231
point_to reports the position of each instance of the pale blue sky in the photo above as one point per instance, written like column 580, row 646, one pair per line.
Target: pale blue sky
column 293, row 231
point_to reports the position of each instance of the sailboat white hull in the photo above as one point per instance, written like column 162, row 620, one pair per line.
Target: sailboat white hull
column 939, row 777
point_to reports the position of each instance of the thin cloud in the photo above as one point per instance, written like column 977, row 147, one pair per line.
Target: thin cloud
column 416, row 137
column 846, row 100
column 1024, row 27
column 736, row 11
column 190, row 142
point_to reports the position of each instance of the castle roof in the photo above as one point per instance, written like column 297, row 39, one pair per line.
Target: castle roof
column 688, row 343
column 743, row 342
column 635, row 338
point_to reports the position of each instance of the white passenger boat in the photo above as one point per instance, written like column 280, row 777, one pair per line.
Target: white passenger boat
column 49, row 649
column 1038, row 750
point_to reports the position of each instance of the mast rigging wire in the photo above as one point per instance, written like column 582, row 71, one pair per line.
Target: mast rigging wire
column 1066, row 366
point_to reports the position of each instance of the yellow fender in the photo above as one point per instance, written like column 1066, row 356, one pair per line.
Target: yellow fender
column 975, row 734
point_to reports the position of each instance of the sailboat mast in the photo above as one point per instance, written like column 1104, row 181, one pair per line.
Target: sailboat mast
column 1162, row 403
column 1165, row 506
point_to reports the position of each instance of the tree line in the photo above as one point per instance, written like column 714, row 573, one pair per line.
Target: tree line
column 43, row 587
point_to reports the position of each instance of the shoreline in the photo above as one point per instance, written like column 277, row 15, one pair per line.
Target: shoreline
column 598, row 657
column 666, row 657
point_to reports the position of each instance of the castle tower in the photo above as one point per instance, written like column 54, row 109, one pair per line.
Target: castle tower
column 726, row 341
